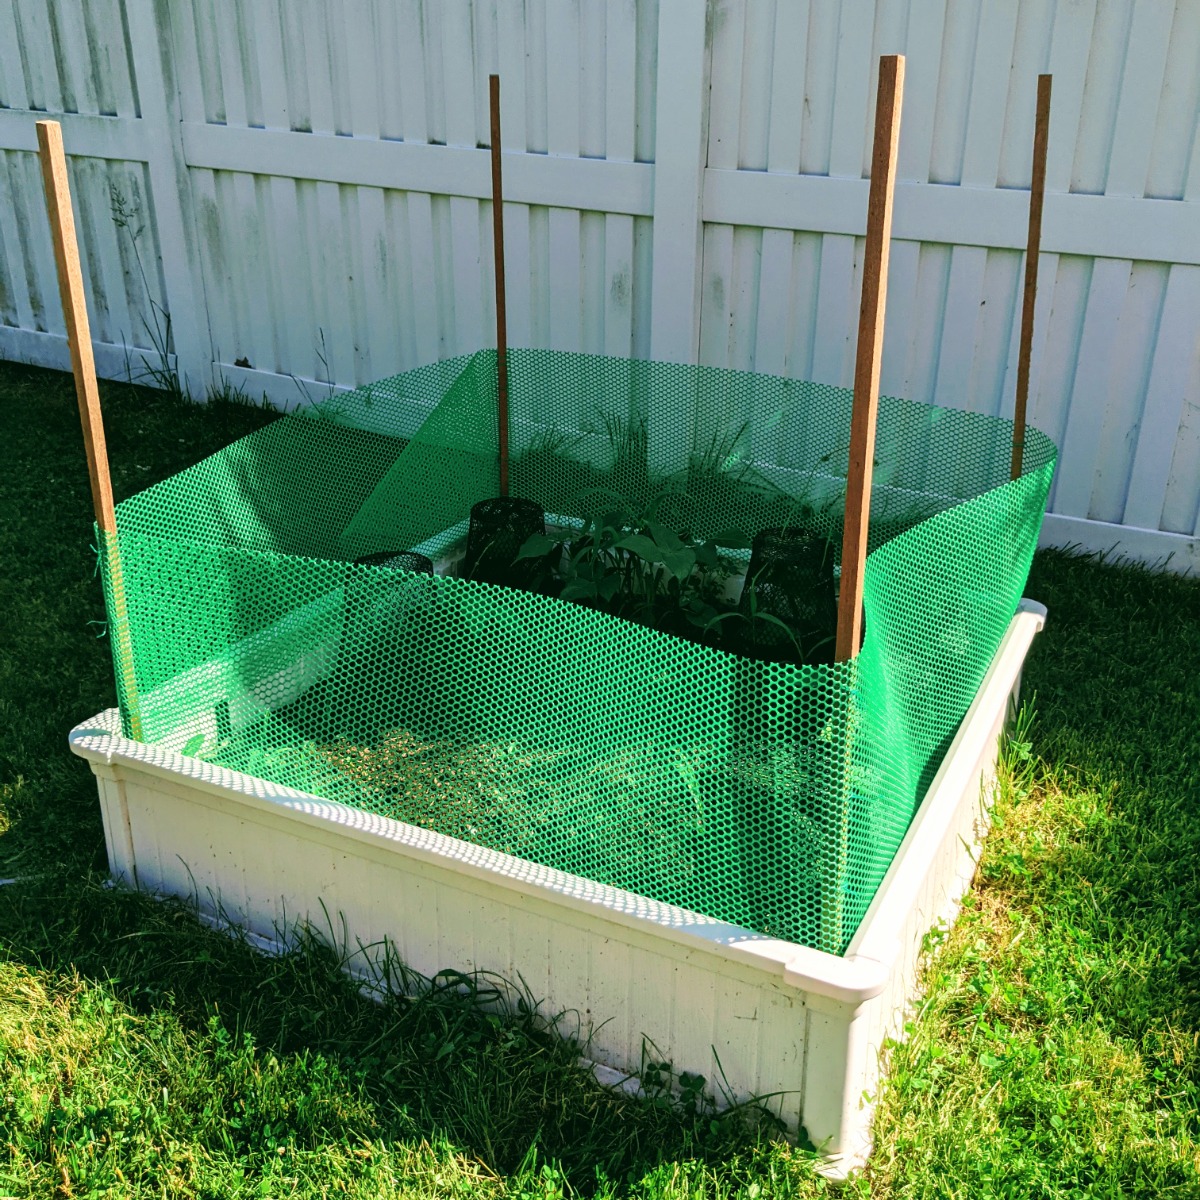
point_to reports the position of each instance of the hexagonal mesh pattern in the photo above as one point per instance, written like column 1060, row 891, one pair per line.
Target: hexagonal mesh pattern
column 766, row 793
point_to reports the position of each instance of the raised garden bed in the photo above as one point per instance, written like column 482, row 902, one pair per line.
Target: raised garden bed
column 576, row 744
column 760, row 1015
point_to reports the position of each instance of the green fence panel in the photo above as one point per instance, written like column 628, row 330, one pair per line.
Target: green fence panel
column 770, row 794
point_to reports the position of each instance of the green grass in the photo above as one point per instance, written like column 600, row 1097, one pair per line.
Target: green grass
column 1056, row 1053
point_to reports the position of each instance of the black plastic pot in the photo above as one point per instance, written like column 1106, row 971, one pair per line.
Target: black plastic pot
column 390, row 609
column 397, row 560
column 363, row 592
column 499, row 528
column 791, row 579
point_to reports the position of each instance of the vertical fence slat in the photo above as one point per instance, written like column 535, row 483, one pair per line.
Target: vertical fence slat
column 903, row 275
column 1136, row 332
column 38, row 251
column 1144, row 62
column 1070, row 51
column 320, row 48
column 331, row 235
column 989, row 90
column 12, row 71
column 964, row 290
column 458, row 74
column 362, row 49
column 1167, row 398
column 923, row 50
column 1088, row 396
column 255, row 310
column 268, row 57
column 679, row 126
column 510, row 57
column 565, row 281
column 22, row 281
column 1175, row 137
column 71, row 50
column 620, row 146
column 407, row 55
column 849, row 133
column 118, row 320
column 109, row 58
column 229, row 62
column 424, row 277
column 777, row 273
column 170, row 178
column 996, row 330
column 41, row 71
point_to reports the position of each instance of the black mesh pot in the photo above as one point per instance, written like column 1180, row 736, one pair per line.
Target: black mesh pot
column 389, row 600
column 499, row 528
column 397, row 560
column 791, row 579
column 363, row 591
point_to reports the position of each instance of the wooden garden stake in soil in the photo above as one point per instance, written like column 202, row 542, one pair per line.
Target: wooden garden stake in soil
column 501, row 315
column 834, row 915
column 79, row 342
column 870, row 350
column 1037, row 193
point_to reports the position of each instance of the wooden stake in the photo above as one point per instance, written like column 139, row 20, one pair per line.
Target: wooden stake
column 870, row 349
column 1037, row 193
column 83, row 366
column 501, row 313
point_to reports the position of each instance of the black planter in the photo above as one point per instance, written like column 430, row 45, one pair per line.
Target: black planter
column 364, row 592
column 397, row 560
column 791, row 579
column 392, row 608
column 499, row 528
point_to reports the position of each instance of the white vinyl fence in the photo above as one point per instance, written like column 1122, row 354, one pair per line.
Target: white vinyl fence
column 304, row 183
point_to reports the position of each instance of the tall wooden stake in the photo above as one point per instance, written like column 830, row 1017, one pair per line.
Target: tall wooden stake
column 1037, row 193
column 501, row 313
column 79, row 342
column 870, row 349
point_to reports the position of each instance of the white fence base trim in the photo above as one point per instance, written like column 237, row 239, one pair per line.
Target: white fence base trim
column 51, row 350
column 783, row 1019
column 1178, row 552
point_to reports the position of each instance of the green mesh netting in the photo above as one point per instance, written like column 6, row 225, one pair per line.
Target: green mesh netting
column 766, row 793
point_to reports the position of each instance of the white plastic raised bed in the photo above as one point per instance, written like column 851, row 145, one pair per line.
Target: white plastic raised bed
column 781, row 1018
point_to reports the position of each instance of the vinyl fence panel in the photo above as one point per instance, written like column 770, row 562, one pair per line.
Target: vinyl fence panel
column 292, row 196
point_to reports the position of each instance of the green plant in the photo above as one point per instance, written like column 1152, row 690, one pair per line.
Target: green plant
column 158, row 370
column 628, row 563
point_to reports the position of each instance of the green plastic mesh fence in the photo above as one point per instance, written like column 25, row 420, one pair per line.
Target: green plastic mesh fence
column 625, row 707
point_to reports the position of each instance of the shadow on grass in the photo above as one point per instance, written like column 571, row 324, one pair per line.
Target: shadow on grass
column 1117, row 680
column 452, row 1059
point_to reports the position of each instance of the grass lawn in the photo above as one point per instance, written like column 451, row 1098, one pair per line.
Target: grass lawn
column 1057, row 1052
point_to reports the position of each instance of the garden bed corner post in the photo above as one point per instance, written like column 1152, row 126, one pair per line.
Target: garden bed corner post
column 862, row 444
column 83, row 366
column 1037, row 193
column 501, row 312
